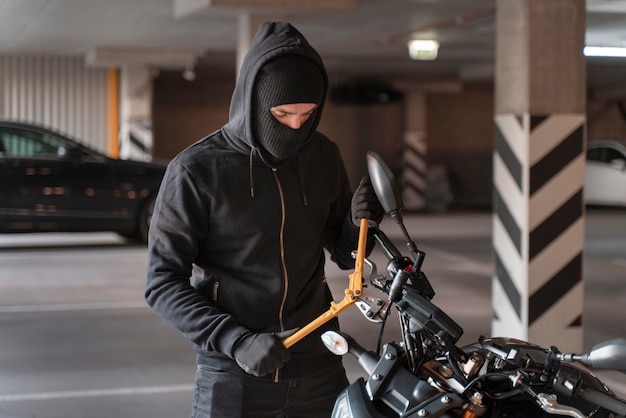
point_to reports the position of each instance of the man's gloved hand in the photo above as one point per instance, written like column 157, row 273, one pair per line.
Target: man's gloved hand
column 260, row 354
column 365, row 204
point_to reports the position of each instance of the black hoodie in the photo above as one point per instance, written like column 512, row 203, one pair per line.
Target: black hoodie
column 250, row 233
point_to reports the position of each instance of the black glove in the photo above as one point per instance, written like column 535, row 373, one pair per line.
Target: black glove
column 260, row 354
column 365, row 204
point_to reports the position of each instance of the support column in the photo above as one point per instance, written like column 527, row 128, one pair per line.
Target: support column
column 3, row 81
column 414, row 167
column 136, row 138
column 538, row 228
column 113, row 112
column 247, row 26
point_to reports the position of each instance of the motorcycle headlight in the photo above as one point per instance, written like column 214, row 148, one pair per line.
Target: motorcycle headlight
column 342, row 407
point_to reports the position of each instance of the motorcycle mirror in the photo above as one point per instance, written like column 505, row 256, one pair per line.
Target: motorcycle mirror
column 383, row 182
column 390, row 198
column 607, row 355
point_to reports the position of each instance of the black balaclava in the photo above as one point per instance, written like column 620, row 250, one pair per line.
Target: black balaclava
column 287, row 79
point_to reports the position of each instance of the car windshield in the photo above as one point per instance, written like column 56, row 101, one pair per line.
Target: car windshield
column 604, row 155
column 25, row 143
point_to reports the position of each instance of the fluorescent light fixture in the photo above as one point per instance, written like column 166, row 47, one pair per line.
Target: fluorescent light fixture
column 117, row 57
column 422, row 49
column 604, row 51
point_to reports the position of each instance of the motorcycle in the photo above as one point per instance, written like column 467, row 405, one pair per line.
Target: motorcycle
column 426, row 374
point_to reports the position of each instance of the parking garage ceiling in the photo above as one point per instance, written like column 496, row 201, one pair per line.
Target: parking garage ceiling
column 366, row 38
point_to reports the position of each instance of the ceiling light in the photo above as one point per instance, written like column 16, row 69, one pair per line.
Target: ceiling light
column 604, row 51
column 422, row 49
column 162, row 58
column 189, row 74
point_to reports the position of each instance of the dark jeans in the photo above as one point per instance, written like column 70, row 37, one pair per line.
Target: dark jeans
column 219, row 394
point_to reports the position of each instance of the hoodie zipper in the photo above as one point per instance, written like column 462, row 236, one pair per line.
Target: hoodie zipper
column 282, row 257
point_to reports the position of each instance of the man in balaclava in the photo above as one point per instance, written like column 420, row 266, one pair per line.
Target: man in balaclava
column 247, row 213
column 288, row 79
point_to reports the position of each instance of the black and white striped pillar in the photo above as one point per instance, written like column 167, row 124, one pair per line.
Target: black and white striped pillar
column 539, row 172
column 414, row 153
column 538, row 228
column 136, row 137
column 136, row 140
column 414, row 171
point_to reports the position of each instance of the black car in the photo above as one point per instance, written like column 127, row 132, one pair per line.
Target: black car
column 50, row 183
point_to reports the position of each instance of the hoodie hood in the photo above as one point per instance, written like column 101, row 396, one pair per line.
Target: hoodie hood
column 272, row 40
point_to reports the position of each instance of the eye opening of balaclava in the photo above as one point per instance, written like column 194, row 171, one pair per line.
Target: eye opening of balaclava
column 287, row 79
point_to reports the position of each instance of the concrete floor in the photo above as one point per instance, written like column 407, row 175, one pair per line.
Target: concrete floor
column 78, row 341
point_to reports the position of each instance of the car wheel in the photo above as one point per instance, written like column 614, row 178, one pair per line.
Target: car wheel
column 145, row 216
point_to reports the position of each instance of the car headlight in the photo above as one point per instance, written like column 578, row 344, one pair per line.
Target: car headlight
column 342, row 407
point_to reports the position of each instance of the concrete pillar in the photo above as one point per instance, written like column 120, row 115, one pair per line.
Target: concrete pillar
column 538, row 228
column 3, row 99
column 245, row 32
column 247, row 26
column 423, row 187
column 414, row 167
column 136, row 138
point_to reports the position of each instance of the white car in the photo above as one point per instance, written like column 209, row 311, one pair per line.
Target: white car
column 605, row 173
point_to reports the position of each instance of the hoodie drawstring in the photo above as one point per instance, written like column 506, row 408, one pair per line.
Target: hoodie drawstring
column 302, row 181
column 251, row 175
column 301, row 178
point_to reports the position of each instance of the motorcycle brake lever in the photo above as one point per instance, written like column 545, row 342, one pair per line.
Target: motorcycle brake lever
column 549, row 403
column 371, row 307
column 379, row 281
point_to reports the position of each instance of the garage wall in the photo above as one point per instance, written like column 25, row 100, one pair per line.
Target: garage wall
column 57, row 92
column 460, row 129
column 61, row 93
column 184, row 112
column 461, row 139
column 606, row 119
column 360, row 128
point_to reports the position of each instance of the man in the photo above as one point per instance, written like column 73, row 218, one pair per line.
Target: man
column 247, row 212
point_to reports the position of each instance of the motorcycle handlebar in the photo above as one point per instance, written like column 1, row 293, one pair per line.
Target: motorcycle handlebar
column 605, row 400
column 385, row 243
column 366, row 359
column 397, row 284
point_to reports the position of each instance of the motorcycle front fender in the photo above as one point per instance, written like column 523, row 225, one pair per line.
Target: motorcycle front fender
column 354, row 402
